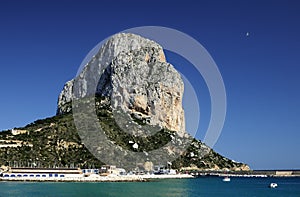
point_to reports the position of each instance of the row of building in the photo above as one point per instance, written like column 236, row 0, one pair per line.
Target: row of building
column 52, row 173
column 7, row 172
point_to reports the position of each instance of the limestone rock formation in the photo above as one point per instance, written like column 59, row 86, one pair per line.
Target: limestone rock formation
column 133, row 73
column 128, row 77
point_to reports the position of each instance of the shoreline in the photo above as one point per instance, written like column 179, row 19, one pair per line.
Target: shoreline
column 96, row 178
column 138, row 178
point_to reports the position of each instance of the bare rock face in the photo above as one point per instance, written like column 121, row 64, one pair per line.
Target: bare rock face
column 133, row 73
column 64, row 98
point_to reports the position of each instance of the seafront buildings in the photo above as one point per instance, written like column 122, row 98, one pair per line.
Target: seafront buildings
column 105, row 173
column 7, row 172
column 112, row 173
column 41, row 173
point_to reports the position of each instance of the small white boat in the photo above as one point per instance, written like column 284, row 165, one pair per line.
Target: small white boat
column 273, row 185
column 226, row 179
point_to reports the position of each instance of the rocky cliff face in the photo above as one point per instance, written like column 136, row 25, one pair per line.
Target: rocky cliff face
column 133, row 73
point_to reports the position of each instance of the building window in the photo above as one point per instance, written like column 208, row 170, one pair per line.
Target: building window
column 62, row 175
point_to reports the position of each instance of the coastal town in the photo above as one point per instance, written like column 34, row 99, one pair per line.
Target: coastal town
column 107, row 173
column 111, row 173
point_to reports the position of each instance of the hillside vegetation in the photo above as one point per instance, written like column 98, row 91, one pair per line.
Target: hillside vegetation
column 54, row 142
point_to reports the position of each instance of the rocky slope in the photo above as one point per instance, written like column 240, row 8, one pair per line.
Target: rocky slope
column 55, row 142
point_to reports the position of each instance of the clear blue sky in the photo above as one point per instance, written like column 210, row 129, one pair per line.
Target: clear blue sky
column 42, row 44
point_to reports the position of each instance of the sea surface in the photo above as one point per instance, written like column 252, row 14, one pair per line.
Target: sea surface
column 206, row 186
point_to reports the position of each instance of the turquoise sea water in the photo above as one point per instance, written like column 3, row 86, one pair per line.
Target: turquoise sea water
column 213, row 186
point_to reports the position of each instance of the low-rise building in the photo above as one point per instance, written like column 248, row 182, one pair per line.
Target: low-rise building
column 111, row 169
column 41, row 173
